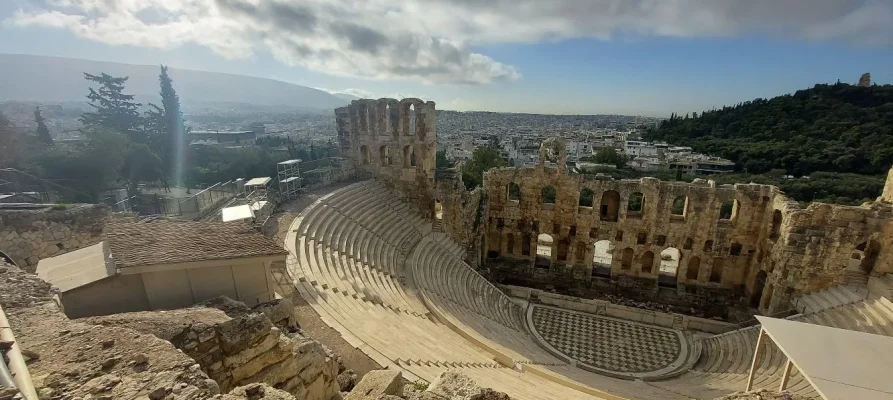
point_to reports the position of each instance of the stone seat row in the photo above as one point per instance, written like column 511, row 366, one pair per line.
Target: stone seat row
column 830, row 298
column 351, row 297
column 725, row 360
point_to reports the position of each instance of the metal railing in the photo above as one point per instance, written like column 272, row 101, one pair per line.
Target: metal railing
column 17, row 371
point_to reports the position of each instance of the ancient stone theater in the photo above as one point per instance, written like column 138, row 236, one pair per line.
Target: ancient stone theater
column 548, row 284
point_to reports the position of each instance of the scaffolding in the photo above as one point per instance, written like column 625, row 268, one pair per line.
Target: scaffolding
column 289, row 179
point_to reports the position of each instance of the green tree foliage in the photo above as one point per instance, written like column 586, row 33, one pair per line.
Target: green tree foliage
column 166, row 132
column 482, row 160
column 834, row 128
column 141, row 164
column 10, row 142
column 88, row 170
column 113, row 109
column 608, row 156
column 43, row 134
column 442, row 161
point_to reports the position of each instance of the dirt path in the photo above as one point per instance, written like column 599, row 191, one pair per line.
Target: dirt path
column 309, row 320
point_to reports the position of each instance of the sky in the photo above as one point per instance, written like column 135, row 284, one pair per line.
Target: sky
column 635, row 57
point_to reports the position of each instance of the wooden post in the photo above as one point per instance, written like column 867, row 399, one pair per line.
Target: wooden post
column 753, row 364
column 786, row 376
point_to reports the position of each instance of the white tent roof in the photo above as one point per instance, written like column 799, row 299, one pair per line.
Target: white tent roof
column 839, row 363
column 237, row 213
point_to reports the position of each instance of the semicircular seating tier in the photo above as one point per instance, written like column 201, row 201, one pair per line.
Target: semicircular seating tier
column 374, row 270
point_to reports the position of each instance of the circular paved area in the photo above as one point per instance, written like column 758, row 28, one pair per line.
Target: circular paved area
column 607, row 344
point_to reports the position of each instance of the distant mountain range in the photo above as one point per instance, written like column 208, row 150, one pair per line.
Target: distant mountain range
column 56, row 79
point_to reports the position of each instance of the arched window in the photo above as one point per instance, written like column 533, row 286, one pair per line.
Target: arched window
column 776, row 224
column 669, row 266
column 586, row 197
column 413, row 124
column 716, row 271
column 729, row 209
column 525, row 245
column 646, row 262
column 694, row 266
column 680, row 206
column 610, row 204
column 708, row 245
column 563, row 246
column 626, row 259
column 514, row 191
column 635, row 204
column 364, row 152
column 548, row 195
column 544, row 250
column 384, row 156
column 408, row 156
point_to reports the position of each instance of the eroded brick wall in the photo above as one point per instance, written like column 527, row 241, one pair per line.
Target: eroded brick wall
column 27, row 236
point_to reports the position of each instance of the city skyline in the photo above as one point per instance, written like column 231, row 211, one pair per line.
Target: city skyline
column 609, row 57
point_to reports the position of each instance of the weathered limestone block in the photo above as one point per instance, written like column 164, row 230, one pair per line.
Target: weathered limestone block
column 377, row 383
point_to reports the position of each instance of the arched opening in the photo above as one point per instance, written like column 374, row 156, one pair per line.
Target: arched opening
column 693, row 268
column 680, row 207
column 586, row 197
column 413, row 125
column 646, row 262
column 626, row 259
column 716, row 271
column 635, row 204
column 758, row 285
column 562, row 248
column 548, row 195
column 870, row 249
column 438, row 210
column 642, row 238
column 364, row 152
column 494, row 243
column 384, row 155
column 525, row 245
column 669, row 266
column 510, row 244
column 609, row 206
column 776, row 224
column 408, row 156
column 729, row 210
column 708, row 245
column 601, row 258
column 514, row 191
column 543, row 250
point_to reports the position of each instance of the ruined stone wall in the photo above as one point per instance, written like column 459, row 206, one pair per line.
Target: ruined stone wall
column 27, row 236
column 262, row 344
column 393, row 141
column 336, row 170
column 744, row 240
column 461, row 212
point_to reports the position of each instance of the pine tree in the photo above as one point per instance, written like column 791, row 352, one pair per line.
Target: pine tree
column 113, row 109
column 43, row 134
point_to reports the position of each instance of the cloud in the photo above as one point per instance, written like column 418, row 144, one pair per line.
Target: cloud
column 434, row 41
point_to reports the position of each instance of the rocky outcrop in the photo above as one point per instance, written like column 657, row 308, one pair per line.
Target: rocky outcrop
column 243, row 345
column 71, row 359
column 27, row 236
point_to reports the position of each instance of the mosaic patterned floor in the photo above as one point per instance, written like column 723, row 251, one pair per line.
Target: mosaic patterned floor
column 605, row 343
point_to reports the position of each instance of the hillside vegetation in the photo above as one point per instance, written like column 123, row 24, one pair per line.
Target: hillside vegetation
column 831, row 128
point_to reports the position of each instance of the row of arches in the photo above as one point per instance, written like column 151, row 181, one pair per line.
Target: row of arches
column 387, row 123
column 609, row 206
column 384, row 156
column 603, row 257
